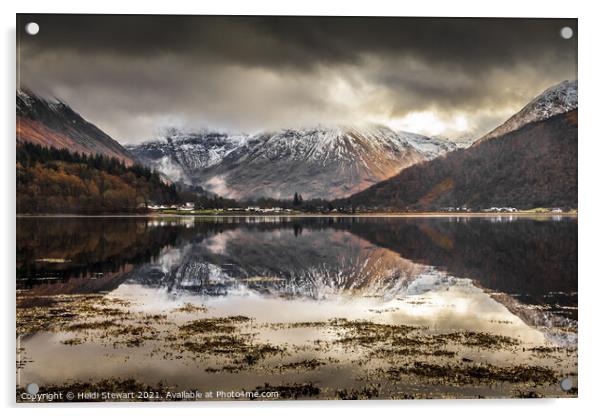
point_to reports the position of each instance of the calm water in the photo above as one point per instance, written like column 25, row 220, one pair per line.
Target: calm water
column 509, row 276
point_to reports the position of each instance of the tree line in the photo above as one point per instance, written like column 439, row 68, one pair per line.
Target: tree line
column 51, row 180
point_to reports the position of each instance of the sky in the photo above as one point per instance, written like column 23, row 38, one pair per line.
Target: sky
column 135, row 76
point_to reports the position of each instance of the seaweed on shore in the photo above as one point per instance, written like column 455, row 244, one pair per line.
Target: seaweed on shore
column 58, row 313
column 476, row 339
column 475, row 374
column 367, row 333
column 191, row 308
column 364, row 393
column 307, row 365
column 213, row 325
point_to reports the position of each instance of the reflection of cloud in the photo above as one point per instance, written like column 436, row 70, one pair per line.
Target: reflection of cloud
column 436, row 301
column 217, row 243
column 169, row 259
column 444, row 302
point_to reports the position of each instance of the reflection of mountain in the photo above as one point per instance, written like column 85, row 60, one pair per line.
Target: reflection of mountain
column 315, row 263
column 104, row 282
column 534, row 261
column 547, row 321
column 87, row 248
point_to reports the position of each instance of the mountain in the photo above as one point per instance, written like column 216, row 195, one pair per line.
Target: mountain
column 315, row 162
column 557, row 99
column 179, row 155
column 52, row 123
column 533, row 166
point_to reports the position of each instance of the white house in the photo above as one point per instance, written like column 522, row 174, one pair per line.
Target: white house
column 188, row 206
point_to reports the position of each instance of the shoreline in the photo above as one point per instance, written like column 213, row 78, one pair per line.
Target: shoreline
column 399, row 358
column 316, row 215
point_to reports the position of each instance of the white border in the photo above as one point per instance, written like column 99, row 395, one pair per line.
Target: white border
column 590, row 152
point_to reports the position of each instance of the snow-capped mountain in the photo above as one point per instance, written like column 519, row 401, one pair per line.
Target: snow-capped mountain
column 179, row 154
column 52, row 123
column 534, row 166
column 557, row 99
column 321, row 162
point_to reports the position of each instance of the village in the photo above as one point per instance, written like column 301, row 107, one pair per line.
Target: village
column 192, row 208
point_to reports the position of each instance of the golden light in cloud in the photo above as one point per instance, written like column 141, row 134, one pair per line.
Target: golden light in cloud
column 429, row 123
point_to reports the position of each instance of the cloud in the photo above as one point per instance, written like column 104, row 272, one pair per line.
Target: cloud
column 218, row 185
column 134, row 75
column 171, row 170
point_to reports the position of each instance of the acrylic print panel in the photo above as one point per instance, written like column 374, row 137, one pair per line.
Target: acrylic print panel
column 295, row 208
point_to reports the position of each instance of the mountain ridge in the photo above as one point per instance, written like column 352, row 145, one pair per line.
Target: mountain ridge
column 314, row 161
column 53, row 123
column 557, row 99
column 534, row 166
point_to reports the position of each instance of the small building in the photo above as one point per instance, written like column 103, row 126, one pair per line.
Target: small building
column 186, row 207
column 501, row 209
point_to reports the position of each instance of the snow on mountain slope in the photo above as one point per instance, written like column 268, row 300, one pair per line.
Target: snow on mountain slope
column 431, row 147
column 52, row 123
column 557, row 99
column 330, row 264
column 319, row 162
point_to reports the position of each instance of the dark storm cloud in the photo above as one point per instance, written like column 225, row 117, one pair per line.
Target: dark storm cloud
column 305, row 41
column 294, row 68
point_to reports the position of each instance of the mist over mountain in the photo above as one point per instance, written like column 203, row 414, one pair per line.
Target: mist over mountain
column 528, row 161
column 321, row 162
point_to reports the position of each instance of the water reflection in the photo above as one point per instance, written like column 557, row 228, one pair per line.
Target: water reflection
column 300, row 287
column 532, row 261
column 316, row 263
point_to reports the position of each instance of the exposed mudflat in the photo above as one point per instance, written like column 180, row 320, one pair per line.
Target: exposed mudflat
column 160, row 354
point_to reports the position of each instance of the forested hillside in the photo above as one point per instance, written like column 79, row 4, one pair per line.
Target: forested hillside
column 51, row 180
column 534, row 166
